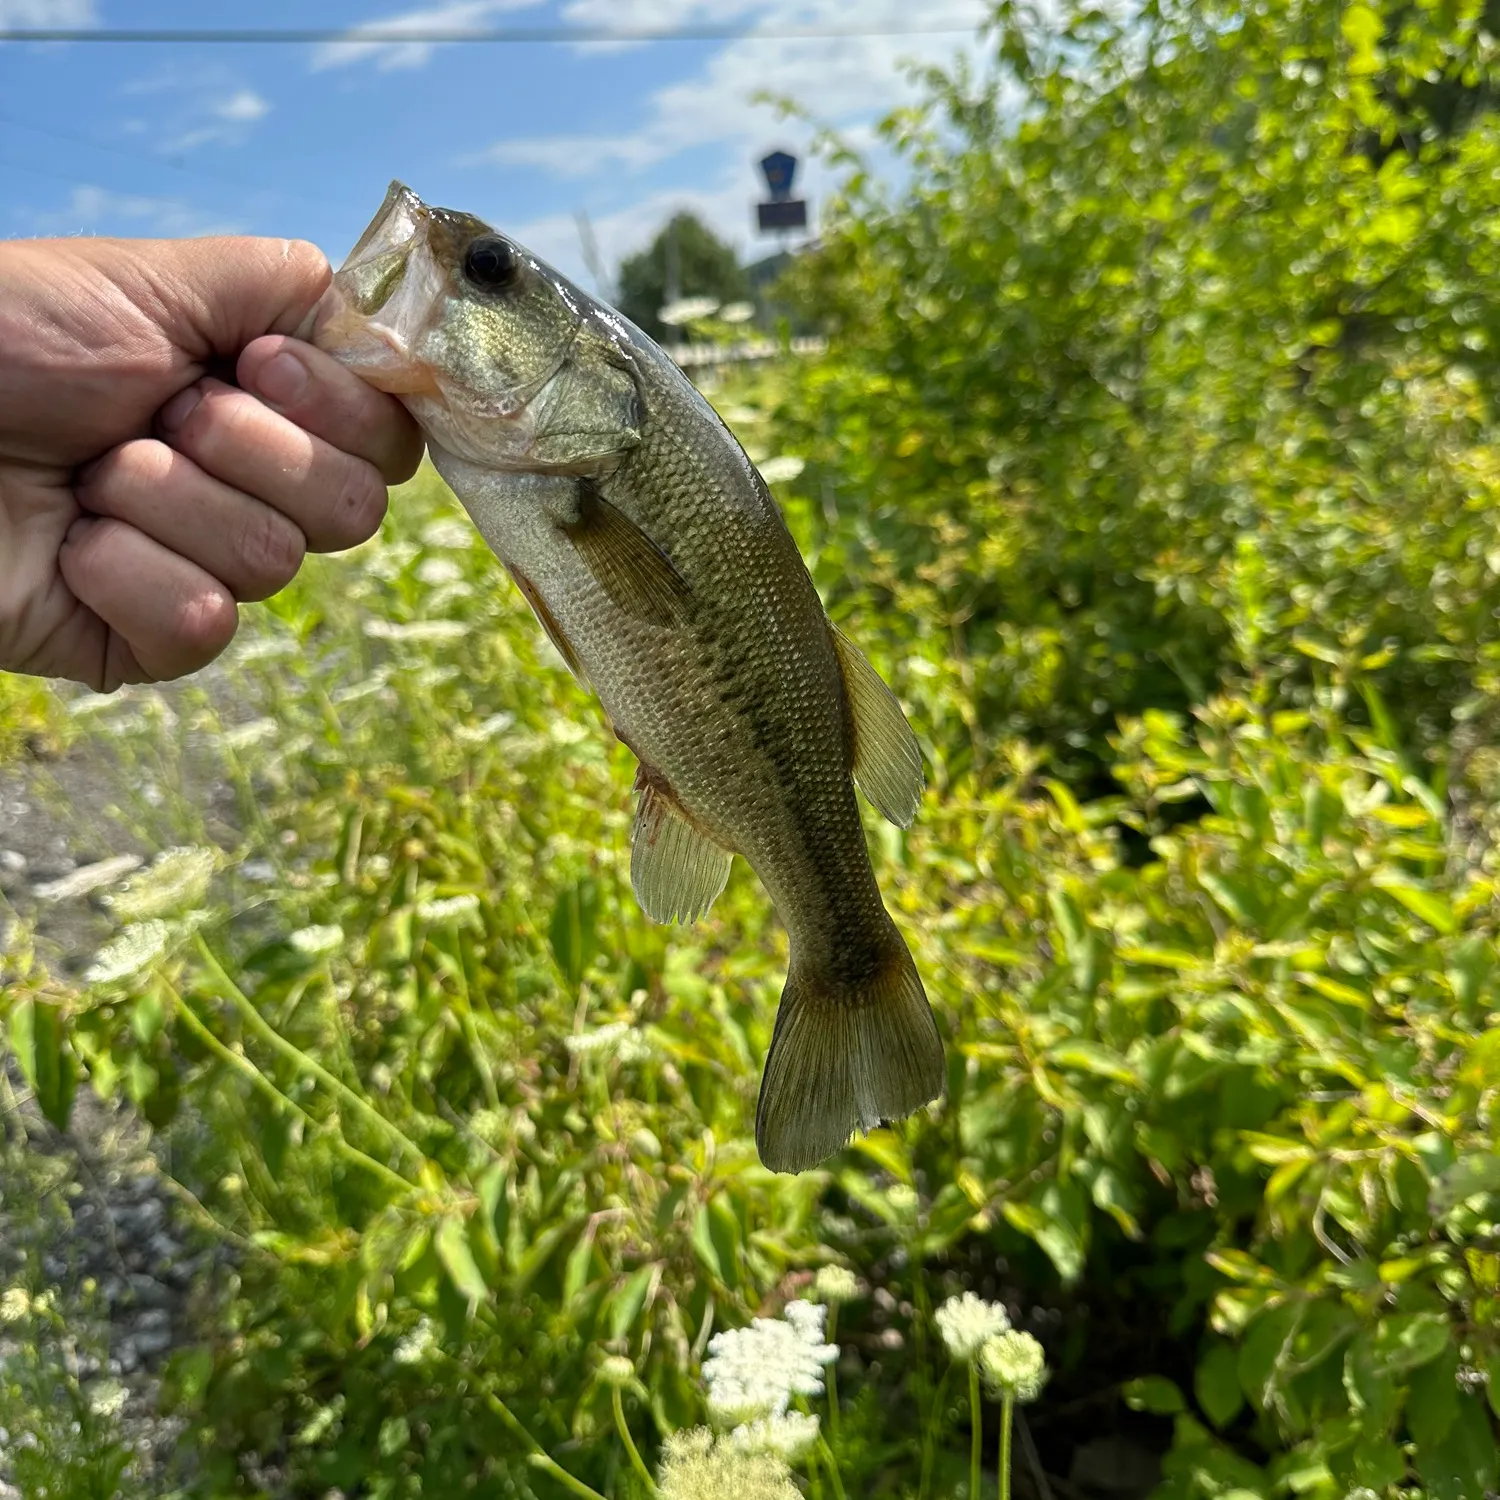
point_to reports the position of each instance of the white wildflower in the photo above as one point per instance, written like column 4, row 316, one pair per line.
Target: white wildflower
column 177, row 879
column 107, row 1398
column 265, row 648
column 87, row 878
column 902, row 1197
column 416, row 1345
column 430, row 676
column 438, row 570
column 687, row 310
column 782, row 470
column 417, row 632
column 616, row 1370
column 834, row 1284
column 252, row 732
column 966, row 1321
column 450, row 533
column 566, row 732
column 789, row 1436
column 617, row 1039
column 486, row 729
column 316, row 942
column 441, row 600
column 1013, row 1364
column 14, row 1304
column 696, row 1467
column 136, row 948
column 737, row 312
column 462, row 911
column 755, row 1371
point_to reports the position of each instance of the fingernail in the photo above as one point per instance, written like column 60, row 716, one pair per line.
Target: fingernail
column 179, row 408
column 79, row 530
column 282, row 379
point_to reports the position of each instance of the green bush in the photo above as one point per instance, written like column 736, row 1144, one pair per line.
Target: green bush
column 1173, row 360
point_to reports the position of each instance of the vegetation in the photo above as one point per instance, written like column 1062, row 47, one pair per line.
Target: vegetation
column 686, row 259
column 1154, row 459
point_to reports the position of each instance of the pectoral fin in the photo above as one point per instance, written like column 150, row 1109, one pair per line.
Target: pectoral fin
column 636, row 574
column 887, row 761
column 677, row 871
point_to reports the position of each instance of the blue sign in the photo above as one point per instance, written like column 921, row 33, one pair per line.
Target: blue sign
column 779, row 168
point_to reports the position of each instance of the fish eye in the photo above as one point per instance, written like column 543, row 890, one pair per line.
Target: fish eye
column 491, row 262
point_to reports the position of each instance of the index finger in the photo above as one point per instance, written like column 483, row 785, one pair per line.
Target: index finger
column 313, row 390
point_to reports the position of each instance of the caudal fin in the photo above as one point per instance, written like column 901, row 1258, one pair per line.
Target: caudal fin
column 845, row 1057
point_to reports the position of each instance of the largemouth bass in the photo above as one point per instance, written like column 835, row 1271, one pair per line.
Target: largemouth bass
column 656, row 560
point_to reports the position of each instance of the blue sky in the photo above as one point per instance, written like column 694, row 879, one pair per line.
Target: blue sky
column 145, row 139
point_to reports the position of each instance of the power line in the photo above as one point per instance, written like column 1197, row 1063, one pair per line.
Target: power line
column 393, row 36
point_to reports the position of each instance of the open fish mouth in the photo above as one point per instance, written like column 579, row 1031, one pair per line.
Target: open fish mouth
column 382, row 298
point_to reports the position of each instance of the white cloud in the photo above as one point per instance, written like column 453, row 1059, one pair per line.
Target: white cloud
column 245, row 105
column 388, row 55
column 843, row 80
column 96, row 210
column 205, row 106
column 41, row 14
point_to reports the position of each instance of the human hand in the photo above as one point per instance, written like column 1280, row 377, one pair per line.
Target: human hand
column 141, row 496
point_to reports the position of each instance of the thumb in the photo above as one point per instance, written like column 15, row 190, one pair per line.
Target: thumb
column 215, row 295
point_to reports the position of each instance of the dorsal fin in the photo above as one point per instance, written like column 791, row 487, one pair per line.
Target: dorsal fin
column 677, row 871
column 887, row 761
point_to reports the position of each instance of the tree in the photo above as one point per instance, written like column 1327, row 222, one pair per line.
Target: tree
column 686, row 259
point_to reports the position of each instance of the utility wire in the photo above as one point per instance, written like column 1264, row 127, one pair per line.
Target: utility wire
column 396, row 36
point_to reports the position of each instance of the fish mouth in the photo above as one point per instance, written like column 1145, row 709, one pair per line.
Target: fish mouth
column 381, row 298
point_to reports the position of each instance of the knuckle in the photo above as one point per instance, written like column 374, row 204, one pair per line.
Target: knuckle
column 89, row 557
column 140, row 464
column 270, row 550
column 216, row 425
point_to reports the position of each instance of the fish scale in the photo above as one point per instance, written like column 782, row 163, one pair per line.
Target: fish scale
column 654, row 555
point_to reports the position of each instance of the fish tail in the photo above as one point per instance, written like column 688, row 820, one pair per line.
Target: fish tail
column 846, row 1055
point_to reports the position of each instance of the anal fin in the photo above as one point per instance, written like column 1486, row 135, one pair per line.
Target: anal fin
column 677, row 871
column 636, row 574
column 887, row 760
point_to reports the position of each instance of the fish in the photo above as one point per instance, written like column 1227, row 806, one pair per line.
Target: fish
column 656, row 560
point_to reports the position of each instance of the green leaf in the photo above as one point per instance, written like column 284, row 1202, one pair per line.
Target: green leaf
column 1462, row 1465
column 573, row 930
column 1059, row 1241
column 1432, row 1401
column 580, row 1260
column 629, row 1300
column 37, row 1036
column 1091, row 1057
column 1406, row 1341
column 451, row 1241
column 1428, row 905
column 703, row 1244
column 1153, row 1393
column 1216, row 1384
